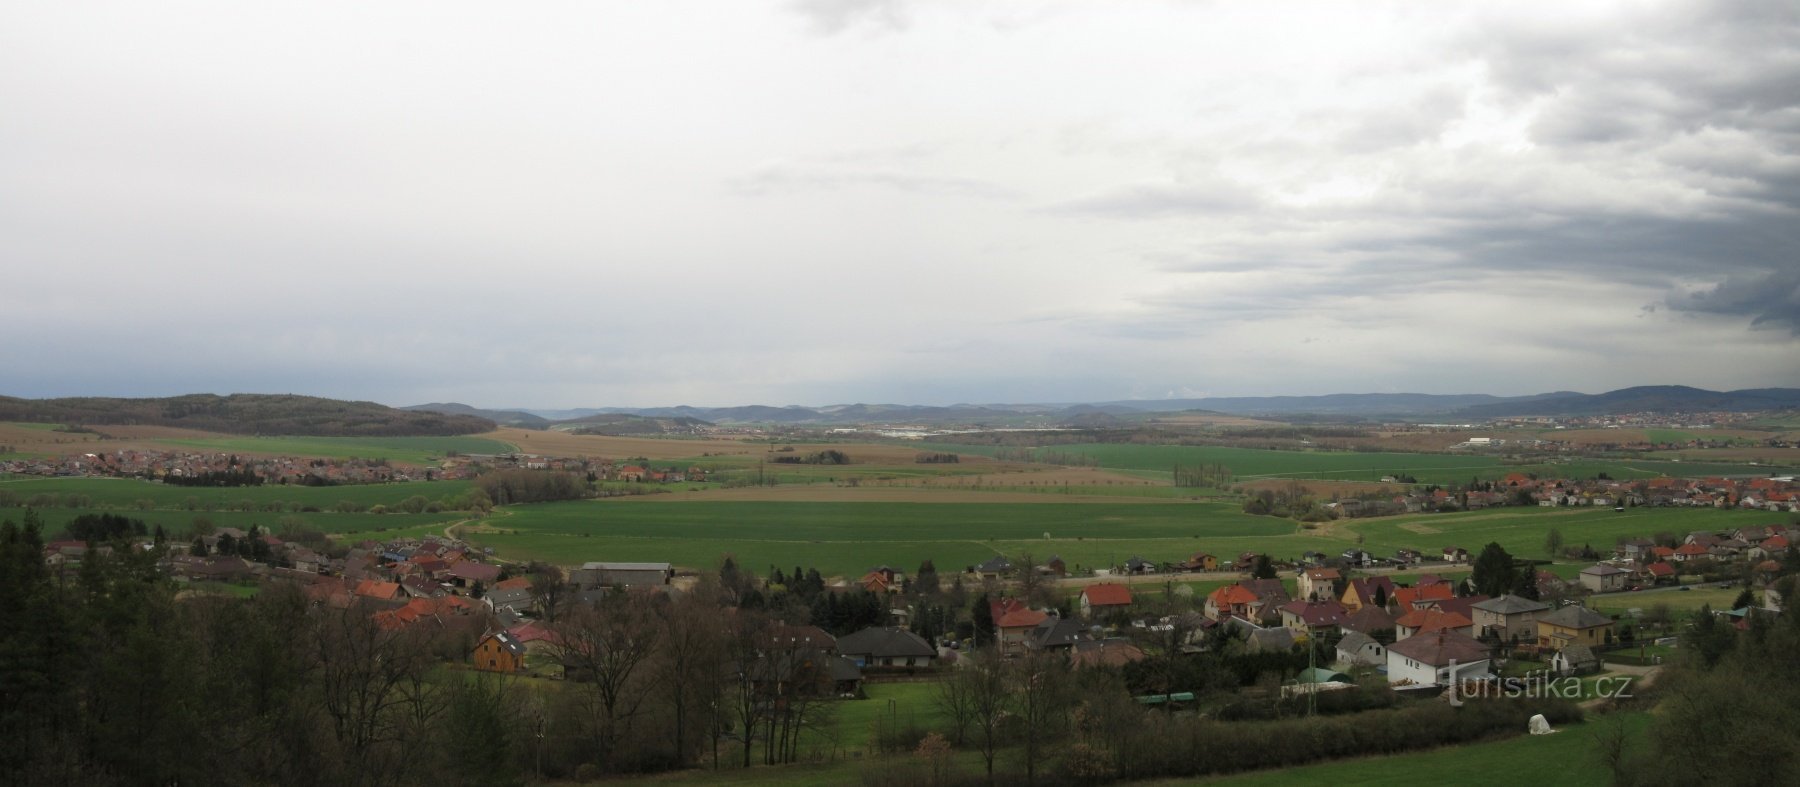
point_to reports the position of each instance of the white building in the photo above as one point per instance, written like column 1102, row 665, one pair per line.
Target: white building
column 1437, row 659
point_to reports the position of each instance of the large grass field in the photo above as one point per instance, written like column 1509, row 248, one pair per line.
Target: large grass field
column 179, row 523
column 1569, row 757
column 405, row 450
column 848, row 538
column 1522, row 530
column 1252, row 463
column 133, row 492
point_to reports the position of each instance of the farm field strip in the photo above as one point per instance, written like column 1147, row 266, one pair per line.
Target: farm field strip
column 409, row 450
column 1156, row 461
column 125, row 493
column 180, row 523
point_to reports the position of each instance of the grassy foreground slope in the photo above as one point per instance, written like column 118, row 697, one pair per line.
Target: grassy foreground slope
column 1568, row 757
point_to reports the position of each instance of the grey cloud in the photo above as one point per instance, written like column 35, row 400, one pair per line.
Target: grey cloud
column 830, row 17
column 1772, row 300
column 1164, row 200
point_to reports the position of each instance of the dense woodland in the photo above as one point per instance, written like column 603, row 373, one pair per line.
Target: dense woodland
column 252, row 414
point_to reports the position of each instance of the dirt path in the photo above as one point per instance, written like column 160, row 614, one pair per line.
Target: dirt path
column 1645, row 677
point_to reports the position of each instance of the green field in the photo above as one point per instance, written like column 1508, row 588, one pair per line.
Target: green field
column 130, row 492
column 405, row 450
column 179, row 523
column 1679, row 601
column 1253, row 463
column 849, row 538
column 1567, row 757
column 36, row 427
column 1521, row 530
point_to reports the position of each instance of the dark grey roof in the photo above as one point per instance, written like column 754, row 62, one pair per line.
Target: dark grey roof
column 1355, row 641
column 996, row 563
column 510, row 642
column 1278, row 640
column 1510, row 604
column 1580, row 655
column 1056, row 633
column 1577, row 617
column 883, row 643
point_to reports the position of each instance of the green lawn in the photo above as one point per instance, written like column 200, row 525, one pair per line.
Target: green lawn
column 406, row 450
column 1679, row 601
column 1568, row 757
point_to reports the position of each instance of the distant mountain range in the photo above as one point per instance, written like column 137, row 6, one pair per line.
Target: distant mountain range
column 283, row 414
column 1647, row 398
column 1662, row 398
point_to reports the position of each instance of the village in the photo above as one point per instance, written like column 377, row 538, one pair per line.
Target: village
column 1437, row 630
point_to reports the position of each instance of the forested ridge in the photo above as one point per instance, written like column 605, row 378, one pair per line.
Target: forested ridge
column 251, row 414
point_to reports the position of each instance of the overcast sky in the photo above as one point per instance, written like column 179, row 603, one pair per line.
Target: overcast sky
column 582, row 204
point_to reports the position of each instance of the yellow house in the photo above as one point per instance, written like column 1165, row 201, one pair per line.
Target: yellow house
column 1358, row 592
column 1572, row 625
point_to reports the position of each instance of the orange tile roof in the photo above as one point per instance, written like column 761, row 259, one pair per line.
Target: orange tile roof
column 1231, row 595
column 1021, row 618
column 1107, row 594
column 1407, row 597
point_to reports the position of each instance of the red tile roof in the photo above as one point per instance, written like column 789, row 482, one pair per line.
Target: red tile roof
column 1021, row 618
column 1407, row 597
column 1107, row 594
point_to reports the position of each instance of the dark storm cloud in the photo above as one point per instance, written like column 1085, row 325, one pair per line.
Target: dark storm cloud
column 1772, row 300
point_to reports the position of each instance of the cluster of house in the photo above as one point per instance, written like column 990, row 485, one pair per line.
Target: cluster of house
column 1422, row 635
column 1019, row 629
column 471, row 465
column 1639, row 562
column 159, row 465
column 1766, row 494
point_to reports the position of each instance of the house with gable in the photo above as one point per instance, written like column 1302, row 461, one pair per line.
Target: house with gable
column 1507, row 618
column 1572, row 625
column 1312, row 617
column 1436, row 659
column 1012, row 631
column 1361, row 591
column 1318, row 583
column 1604, row 578
column 1428, row 620
column 499, row 651
column 1357, row 649
column 1104, row 597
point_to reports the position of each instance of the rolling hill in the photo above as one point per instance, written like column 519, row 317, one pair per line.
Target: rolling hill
column 246, row 414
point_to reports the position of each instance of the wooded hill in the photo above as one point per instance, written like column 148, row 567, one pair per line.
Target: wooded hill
column 250, row 414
